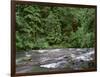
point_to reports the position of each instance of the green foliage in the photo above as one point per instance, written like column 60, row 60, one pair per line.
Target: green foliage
column 39, row 27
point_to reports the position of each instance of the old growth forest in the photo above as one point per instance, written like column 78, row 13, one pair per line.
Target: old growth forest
column 43, row 27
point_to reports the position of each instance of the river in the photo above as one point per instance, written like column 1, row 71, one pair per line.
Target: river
column 55, row 59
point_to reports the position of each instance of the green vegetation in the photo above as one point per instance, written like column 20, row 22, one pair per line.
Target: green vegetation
column 39, row 27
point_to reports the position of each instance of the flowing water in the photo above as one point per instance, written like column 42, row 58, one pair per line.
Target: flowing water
column 55, row 59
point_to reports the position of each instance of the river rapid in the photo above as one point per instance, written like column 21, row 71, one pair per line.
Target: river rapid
column 55, row 59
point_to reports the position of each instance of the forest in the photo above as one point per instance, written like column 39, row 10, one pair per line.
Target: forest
column 43, row 27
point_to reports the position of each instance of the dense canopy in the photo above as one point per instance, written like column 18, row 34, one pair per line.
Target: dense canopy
column 39, row 27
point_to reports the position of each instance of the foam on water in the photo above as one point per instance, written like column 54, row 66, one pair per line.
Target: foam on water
column 51, row 50
column 86, row 56
column 53, row 65
column 42, row 51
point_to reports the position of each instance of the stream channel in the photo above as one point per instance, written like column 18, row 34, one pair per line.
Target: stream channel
column 55, row 59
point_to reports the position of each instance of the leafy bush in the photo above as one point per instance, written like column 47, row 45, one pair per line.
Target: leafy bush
column 39, row 27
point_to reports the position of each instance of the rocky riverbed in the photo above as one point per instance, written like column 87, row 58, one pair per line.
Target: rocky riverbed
column 55, row 59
